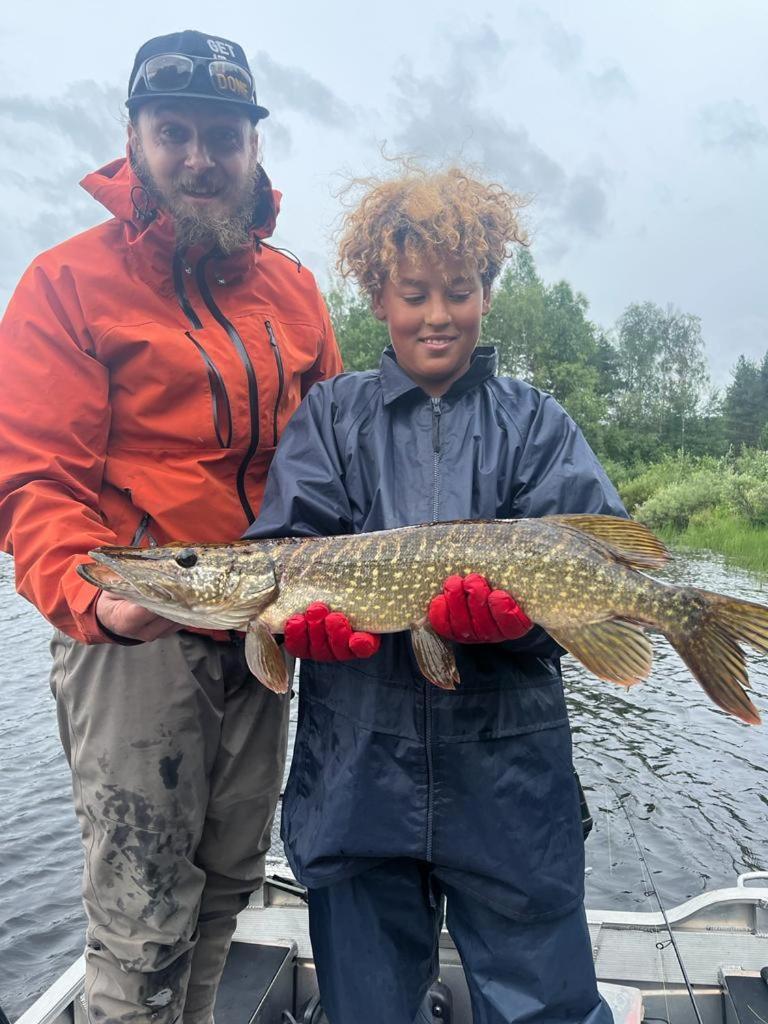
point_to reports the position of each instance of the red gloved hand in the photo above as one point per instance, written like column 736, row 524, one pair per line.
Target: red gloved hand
column 469, row 612
column 323, row 635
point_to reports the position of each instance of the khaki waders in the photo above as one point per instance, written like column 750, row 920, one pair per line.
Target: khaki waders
column 177, row 758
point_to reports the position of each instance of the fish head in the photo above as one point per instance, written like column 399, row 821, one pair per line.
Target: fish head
column 210, row 586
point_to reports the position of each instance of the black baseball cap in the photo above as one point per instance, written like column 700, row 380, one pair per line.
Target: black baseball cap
column 193, row 65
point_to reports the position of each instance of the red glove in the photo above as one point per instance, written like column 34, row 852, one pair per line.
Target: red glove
column 323, row 635
column 469, row 612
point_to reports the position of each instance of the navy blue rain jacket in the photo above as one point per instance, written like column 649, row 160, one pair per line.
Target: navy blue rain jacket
column 479, row 781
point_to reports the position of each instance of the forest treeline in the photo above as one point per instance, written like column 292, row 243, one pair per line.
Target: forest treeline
column 685, row 455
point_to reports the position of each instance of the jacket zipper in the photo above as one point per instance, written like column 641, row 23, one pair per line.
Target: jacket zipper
column 437, row 412
column 222, row 412
column 181, row 294
column 142, row 530
column 253, row 388
column 430, row 767
column 280, row 376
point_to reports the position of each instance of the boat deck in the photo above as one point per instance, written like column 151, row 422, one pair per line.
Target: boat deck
column 722, row 938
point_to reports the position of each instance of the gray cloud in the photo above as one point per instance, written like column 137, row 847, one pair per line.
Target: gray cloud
column 564, row 48
column 277, row 137
column 283, row 89
column 610, row 84
column 565, row 52
column 45, row 148
column 89, row 116
column 585, row 204
column 447, row 118
column 732, row 124
column 485, row 44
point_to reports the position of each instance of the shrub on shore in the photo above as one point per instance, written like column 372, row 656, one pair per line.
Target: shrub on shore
column 673, row 505
column 706, row 502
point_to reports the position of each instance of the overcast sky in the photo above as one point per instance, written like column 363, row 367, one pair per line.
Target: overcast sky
column 640, row 130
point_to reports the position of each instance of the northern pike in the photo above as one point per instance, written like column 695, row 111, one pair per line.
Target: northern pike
column 579, row 577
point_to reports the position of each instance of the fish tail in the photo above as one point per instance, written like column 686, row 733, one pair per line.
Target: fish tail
column 709, row 645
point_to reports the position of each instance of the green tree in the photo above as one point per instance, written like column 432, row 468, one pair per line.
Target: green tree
column 361, row 337
column 684, row 377
column 663, row 392
column 543, row 335
column 744, row 406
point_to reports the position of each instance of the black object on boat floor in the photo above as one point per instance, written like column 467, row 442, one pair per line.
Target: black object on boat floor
column 749, row 997
column 248, row 975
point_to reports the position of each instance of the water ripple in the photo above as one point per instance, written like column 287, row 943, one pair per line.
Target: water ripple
column 692, row 778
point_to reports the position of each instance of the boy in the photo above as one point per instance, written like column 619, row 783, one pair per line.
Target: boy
column 401, row 793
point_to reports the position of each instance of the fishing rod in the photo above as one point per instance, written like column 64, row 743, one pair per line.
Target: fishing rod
column 655, row 892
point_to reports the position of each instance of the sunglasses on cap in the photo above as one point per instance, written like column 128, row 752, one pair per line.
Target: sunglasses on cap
column 173, row 72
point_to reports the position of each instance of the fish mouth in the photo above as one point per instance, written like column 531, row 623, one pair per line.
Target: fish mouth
column 107, row 574
column 103, row 576
column 113, row 556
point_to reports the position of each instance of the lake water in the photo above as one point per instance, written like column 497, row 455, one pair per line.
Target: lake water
column 695, row 783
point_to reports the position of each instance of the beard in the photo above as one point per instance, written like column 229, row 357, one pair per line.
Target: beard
column 228, row 230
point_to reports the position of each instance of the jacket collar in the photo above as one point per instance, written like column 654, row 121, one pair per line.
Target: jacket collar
column 149, row 232
column 395, row 382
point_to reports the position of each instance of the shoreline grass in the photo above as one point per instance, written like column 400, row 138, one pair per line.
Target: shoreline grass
column 739, row 543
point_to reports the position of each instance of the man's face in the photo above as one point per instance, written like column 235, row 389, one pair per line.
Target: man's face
column 433, row 312
column 199, row 160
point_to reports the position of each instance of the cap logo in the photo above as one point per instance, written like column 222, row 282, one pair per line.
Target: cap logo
column 228, row 83
column 220, row 48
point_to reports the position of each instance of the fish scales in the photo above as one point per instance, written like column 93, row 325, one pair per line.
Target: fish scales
column 576, row 576
column 384, row 581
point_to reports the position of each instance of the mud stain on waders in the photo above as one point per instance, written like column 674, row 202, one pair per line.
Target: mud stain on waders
column 169, row 771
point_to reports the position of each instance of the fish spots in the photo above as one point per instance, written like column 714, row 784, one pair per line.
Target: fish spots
column 169, row 770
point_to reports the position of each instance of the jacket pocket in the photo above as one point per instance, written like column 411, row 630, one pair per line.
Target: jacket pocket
column 525, row 850
column 280, row 369
column 480, row 713
column 220, row 406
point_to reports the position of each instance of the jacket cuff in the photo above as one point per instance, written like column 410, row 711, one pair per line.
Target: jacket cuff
column 115, row 638
column 81, row 597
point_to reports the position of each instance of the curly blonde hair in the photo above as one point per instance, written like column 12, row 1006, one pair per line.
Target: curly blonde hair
column 424, row 215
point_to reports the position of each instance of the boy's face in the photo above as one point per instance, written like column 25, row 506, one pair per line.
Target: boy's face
column 433, row 312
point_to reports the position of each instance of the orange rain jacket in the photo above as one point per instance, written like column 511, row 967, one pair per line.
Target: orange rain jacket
column 142, row 393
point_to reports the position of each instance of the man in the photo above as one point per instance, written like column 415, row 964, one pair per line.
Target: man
column 150, row 365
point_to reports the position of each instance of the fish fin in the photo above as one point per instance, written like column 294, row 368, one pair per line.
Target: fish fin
column 264, row 657
column 631, row 541
column 615, row 650
column 435, row 658
column 711, row 650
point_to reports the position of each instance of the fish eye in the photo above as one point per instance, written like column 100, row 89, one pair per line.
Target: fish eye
column 186, row 559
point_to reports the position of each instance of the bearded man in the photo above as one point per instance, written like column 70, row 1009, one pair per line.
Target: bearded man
column 150, row 365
